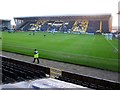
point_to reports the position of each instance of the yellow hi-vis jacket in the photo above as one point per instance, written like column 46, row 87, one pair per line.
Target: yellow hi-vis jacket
column 36, row 55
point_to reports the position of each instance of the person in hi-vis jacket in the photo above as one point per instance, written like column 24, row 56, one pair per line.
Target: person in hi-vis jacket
column 36, row 56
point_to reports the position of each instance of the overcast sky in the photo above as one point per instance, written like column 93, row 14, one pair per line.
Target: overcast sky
column 17, row 8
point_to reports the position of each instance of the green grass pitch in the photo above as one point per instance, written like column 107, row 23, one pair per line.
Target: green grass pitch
column 88, row 50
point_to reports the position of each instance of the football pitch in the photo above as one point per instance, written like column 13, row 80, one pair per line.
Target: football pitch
column 87, row 50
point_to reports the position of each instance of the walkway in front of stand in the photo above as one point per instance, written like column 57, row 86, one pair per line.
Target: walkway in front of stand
column 68, row 67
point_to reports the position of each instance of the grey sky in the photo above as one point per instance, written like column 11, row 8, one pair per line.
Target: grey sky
column 17, row 8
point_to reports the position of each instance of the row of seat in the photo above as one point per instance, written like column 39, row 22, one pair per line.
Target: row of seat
column 28, row 69
column 91, row 83
column 12, row 72
column 7, row 79
column 45, row 26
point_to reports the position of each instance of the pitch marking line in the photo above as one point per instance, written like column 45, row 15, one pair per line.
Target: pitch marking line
column 112, row 45
column 94, row 38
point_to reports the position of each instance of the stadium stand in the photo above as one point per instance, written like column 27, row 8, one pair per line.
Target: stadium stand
column 5, row 24
column 85, row 23
column 16, row 71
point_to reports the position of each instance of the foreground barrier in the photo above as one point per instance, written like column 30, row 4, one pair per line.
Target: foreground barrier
column 87, row 81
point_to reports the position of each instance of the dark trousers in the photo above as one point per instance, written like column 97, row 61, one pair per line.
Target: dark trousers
column 37, row 60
